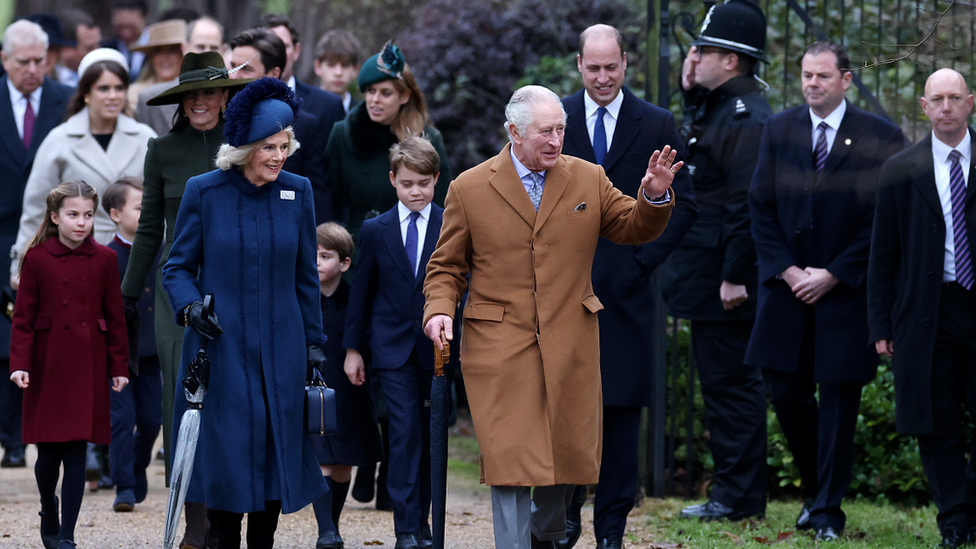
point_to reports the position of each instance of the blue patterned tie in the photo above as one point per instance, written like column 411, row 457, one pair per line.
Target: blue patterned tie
column 535, row 191
column 411, row 244
column 820, row 151
column 957, row 190
column 600, row 136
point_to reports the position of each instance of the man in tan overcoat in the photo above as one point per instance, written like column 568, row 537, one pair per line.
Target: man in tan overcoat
column 519, row 234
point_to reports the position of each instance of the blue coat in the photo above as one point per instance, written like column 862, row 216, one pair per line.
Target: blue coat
column 15, row 164
column 821, row 220
column 387, row 297
column 621, row 272
column 254, row 249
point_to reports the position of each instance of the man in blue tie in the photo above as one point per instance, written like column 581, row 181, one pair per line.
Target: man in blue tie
column 921, row 299
column 812, row 204
column 608, row 125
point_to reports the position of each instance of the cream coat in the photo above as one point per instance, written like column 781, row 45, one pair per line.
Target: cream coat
column 530, row 344
column 70, row 152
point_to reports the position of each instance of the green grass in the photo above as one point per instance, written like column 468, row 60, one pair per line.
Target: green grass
column 869, row 525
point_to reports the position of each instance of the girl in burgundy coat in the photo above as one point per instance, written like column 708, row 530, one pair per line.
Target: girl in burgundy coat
column 68, row 339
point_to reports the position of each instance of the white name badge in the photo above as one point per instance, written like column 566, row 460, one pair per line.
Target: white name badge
column 288, row 195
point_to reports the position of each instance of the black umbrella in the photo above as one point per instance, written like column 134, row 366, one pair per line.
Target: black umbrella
column 440, row 412
column 195, row 388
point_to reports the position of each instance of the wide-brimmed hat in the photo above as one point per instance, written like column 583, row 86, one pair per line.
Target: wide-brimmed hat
column 263, row 108
column 388, row 64
column 101, row 54
column 199, row 71
column 171, row 32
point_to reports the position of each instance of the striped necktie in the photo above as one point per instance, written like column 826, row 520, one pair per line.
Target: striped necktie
column 820, row 151
column 960, row 237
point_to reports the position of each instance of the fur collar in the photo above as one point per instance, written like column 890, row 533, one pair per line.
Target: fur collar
column 367, row 137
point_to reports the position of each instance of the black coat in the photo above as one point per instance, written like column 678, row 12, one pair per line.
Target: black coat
column 622, row 273
column 15, row 165
column 327, row 109
column 309, row 161
column 803, row 218
column 905, row 275
column 723, row 132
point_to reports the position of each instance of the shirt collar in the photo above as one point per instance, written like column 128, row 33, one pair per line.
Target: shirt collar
column 940, row 149
column 520, row 168
column 291, row 82
column 404, row 212
column 15, row 94
column 833, row 119
column 613, row 108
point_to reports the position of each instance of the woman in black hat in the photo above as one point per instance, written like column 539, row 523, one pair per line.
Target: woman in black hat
column 359, row 146
column 246, row 234
column 188, row 150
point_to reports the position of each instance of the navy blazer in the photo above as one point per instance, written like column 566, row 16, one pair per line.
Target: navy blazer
column 145, row 343
column 15, row 164
column 327, row 109
column 386, row 297
column 622, row 273
column 803, row 218
column 325, row 106
column 309, row 161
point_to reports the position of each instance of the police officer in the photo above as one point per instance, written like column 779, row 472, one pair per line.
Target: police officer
column 711, row 276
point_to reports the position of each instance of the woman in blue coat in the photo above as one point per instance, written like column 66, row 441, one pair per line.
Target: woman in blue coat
column 246, row 233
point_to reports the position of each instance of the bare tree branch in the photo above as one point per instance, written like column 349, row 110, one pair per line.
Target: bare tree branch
column 914, row 47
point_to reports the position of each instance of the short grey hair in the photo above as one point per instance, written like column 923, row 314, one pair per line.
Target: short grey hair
column 229, row 155
column 519, row 111
column 23, row 33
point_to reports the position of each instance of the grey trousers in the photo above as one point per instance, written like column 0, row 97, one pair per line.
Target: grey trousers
column 516, row 509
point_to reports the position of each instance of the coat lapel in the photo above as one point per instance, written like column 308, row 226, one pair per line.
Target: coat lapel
column 394, row 242
column 51, row 111
column 804, row 141
column 628, row 126
column 87, row 151
column 430, row 241
column 846, row 137
column 924, row 175
column 8, row 126
column 576, row 127
column 506, row 182
column 557, row 179
column 971, row 185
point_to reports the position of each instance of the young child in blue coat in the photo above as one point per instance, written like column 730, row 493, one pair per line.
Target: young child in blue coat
column 358, row 440
column 387, row 301
column 137, row 413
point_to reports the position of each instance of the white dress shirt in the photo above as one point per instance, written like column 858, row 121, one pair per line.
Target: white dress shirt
column 609, row 119
column 404, row 214
column 833, row 121
column 940, row 161
column 19, row 104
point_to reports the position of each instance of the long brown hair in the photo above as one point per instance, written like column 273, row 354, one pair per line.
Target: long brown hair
column 412, row 118
column 55, row 199
column 92, row 74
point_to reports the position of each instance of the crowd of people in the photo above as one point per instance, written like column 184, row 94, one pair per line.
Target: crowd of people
column 170, row 163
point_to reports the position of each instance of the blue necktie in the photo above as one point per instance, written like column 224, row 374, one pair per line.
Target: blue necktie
column 411, row 244
column 535, row 191
column 960, row 236
column 820, row 151
column 600, row 136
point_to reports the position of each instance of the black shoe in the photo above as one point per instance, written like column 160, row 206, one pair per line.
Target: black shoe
column 364, row 487
column 713, row 510
column 425, row 540
column 406, row 541
column 142, row 486
column 50, row 526
column 827, row 533
column 13, row 459
column 955, row 538
column 330, row 540
column 383, row 501
column 609, row 542
column 803, row 521
column 125, row 501
column 539, row 544
column 574, row 524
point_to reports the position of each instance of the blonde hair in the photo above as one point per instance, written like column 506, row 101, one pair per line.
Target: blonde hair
column 229, row 155
column 55, row 199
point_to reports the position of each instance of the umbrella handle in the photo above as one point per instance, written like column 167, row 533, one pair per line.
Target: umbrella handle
column 442, row 357
column 208, row 309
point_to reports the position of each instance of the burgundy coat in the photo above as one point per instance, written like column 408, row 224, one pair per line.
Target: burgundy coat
column 69, row 333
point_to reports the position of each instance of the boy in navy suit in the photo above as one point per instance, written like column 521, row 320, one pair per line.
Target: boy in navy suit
column 137, row 411
column 387, row 301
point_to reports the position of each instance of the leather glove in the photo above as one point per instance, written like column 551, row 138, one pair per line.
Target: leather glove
column 131, row 314
column 316, row 361
column 208, row 328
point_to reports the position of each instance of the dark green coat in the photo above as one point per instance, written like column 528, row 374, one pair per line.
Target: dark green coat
column 170, row 160
column 359, row 167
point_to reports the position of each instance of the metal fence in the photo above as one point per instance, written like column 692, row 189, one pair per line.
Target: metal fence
column 893, row 45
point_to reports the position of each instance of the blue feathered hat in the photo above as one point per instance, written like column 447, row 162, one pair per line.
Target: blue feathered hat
column 263, row 108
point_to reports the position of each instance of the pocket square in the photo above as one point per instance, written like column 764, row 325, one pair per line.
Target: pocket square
column 581, row 207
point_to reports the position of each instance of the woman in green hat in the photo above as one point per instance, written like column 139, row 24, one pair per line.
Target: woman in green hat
column 188, row 150
column 359, row 146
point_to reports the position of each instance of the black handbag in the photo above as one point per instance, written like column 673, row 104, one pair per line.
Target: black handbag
column 320, row 407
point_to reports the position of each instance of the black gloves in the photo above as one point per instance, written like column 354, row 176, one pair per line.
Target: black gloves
column 208, row 328
column 316, row 362
column 131, row 314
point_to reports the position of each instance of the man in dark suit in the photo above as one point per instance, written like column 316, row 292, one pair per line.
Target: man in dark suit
column 632, row 129
column 921, row 299
column 325, row 106
column 812, row 205
column 31, row 105
column 262, row 53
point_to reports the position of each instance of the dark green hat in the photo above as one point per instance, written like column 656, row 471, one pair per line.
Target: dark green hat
column 199, row 71
column 385, row 65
